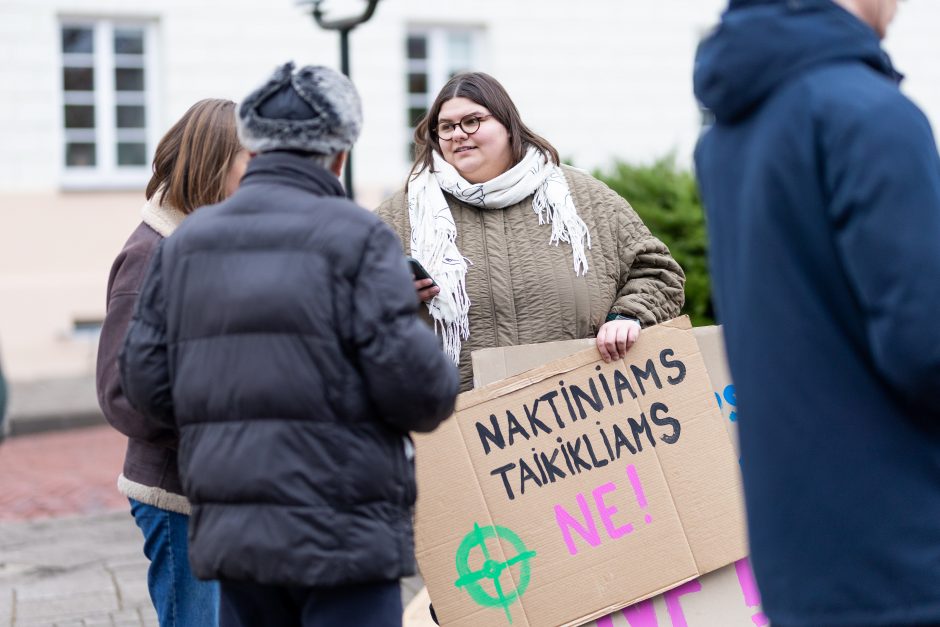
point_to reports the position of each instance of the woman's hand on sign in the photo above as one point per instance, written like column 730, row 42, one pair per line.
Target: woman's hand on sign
column 426, row 289
column 615, row 338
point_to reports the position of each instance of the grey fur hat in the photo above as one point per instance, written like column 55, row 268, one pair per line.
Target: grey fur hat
column 315, row 110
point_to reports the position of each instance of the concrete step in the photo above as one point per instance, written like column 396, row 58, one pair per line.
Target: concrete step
column 51, row 405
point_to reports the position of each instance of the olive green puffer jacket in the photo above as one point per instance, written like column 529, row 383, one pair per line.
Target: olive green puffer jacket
column 523, row 290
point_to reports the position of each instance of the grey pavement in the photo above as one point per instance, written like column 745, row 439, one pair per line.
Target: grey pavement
column 82, row 571
column 51, row 405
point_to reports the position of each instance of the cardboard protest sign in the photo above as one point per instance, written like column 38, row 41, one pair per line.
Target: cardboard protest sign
column 577, row 488
column 493, row 364
column 725, row 598
column 712, row 344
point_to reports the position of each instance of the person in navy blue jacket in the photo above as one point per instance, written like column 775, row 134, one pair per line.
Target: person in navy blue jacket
column 821, row 183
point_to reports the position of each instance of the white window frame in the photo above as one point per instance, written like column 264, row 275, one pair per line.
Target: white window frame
column 437, row 65
column 106, row 174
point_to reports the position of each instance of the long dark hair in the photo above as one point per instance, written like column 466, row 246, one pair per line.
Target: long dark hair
column 486, row 91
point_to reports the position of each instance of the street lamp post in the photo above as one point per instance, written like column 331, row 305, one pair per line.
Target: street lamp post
column 344, row 25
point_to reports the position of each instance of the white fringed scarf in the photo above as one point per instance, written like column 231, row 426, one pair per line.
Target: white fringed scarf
column 434, row 233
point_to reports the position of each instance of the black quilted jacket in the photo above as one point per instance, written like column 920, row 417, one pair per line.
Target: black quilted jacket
column 278, row 331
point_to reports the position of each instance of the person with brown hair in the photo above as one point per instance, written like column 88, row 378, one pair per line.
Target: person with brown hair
column 485, row 198
column 198, row 162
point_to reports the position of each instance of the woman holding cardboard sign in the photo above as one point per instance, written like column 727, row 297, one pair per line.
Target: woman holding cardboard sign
column 486, row 206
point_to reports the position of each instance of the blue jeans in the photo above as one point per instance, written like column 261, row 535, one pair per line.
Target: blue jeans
column 180, row 599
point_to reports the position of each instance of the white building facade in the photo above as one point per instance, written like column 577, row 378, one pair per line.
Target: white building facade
column 90, row 86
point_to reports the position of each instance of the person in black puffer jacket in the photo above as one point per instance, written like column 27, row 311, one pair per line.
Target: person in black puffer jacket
column 279, row 331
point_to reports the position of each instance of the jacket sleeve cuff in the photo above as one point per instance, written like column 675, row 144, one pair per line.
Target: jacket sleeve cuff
column 616, row 316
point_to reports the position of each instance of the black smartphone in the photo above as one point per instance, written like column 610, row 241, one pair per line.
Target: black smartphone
column 420, row 273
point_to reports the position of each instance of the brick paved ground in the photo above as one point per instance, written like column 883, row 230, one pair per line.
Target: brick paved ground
column 70, row 554
column 61, row 473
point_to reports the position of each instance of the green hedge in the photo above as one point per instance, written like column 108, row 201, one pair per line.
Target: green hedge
column 667, row 200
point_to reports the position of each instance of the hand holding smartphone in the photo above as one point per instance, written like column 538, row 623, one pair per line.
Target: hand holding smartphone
column 420, row 273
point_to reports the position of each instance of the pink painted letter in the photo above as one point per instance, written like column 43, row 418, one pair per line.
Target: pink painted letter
column 672, row 601
column 749, row 588
column 607, row 511
column 566, row 522
column 642, row 614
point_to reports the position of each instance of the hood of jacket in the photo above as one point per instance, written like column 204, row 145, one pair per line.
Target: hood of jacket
column 760, row 44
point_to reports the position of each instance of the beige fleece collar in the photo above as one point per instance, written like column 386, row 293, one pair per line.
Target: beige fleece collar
column 161, row 218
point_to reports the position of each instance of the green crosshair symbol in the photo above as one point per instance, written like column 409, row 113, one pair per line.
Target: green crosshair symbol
column 469, row 579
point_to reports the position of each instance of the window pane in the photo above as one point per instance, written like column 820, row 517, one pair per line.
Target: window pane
column 78, row 79
column 414, row 115
column 77, row 40
column 417, row 47
column 79, row 116
column 129, row 79
column 460, row 50
column 418, row 83
column 80, row 155
column 132, row 153
column 128, row 41
column 130, row 116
